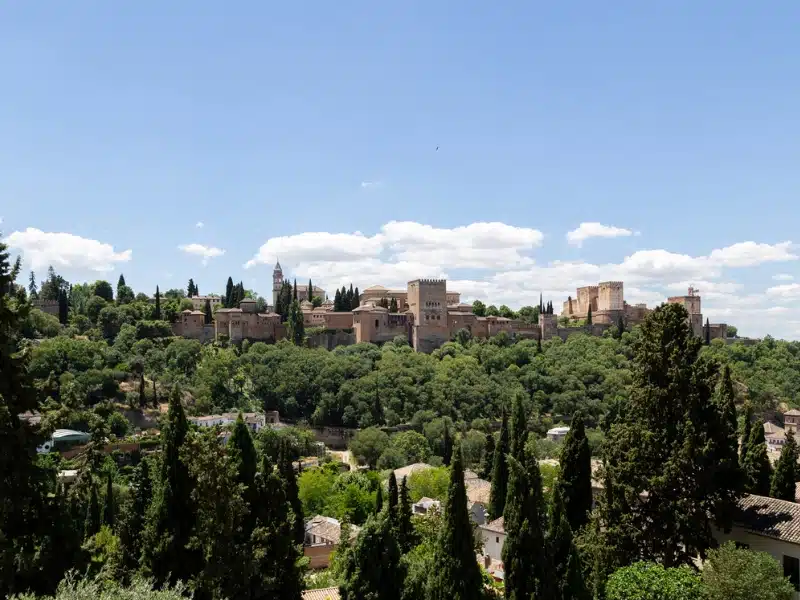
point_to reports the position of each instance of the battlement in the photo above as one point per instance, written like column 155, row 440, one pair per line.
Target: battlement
column 434, row 282
column 588, row 288
column 613, row 284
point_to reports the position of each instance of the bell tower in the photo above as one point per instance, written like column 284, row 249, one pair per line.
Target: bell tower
column 277, row 283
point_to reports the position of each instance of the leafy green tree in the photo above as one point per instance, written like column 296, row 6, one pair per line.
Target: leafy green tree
column 478, row 308
column 524, row 551
column 519, row 429
column 651, row 581
column 499, row 490
column 190, row 293
column 337, row 301
column 103, row 290
column 310, row 291
column 406, row 536
column 120, row 282
column 133, row 518
column 674, row 441
column 707, row 330
column 575, row 481
column 756, row 465
column 393, row 305
column 296, row 328
column 747, row 425
column 171, row 519
column 356, row 300
column 732, row 573
column 287, row 473
column 785, row 475
column 430, row 483
column 455, row 574
column 109, row 512
column 374, row 569
column 566, row 576
column 157, row 311
column 73, row 588
column 368, row 444
column 379, row 499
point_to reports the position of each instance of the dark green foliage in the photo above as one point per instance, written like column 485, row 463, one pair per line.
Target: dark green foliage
column 707, row 333
column 525, row 559
column 732, row 573
column 487, row 461
column 91, row 524
column 171, row 519
column 373, row 569
column 756, row 465
column 190, row 289
column 393, row 305
column 157, row 310
column 406, row 536
column 294, row 292
column 589, row 316
column 651, row 581
column 393, row 493
column 379, row 499
column 447, row 445
column 499, row 489
column 455, row 574
column 109, row 512
column 575, row 480
column 785, row 475
column 478, row 308
column 295, row 324
column 103, row 289
column 33, row 293
column 243, row 453
column 356, row 301
column 747, row 425
column 519, row 430
column 337, row 301
column 132, row 522
column 63, row 307
column 228, row 301
column 286, row 470
column 310, row 291
column 674, row 441
column 574, row 585
column 209, row 316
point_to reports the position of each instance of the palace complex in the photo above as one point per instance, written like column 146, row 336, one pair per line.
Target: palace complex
column 427, row 316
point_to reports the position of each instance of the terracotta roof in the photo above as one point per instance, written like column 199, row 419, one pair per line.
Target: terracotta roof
column 770, row 427
column 769, row 517
column 331, row 593
column 497, row 526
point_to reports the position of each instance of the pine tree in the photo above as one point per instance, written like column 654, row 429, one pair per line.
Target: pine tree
column 33, row 293
column 487, row 461
column 448, row 444
column 208, row 315
column 228, row 302
column 747, row 424
column 379, row 499
column 455, row 574
column 108, row 509
column 171, row 519
column 519, row 429
column 276, row 570
column 499, row 489
column 756, row 465
column 157, row 311
column 296, row 326
column 374, row 569
column 575, row 481
column 406, row 535
column 785, row 475
column 91, row 524
column 120, row 284
column 289, row 477
column 133, row 520
column 524, row 551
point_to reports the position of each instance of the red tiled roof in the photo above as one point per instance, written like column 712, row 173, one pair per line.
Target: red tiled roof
column 331, row 593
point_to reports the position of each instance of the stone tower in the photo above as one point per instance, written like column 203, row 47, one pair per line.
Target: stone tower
column 691, row 302
column 277, row 283
column 427, row 300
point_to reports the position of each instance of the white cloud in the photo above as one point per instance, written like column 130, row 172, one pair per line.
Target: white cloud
column 206, row 252
column 788, row 290
column 783, row 277
column 576, row 237
column 370, row 184
column 41, row 249
column 199, row 224
column 749, row 254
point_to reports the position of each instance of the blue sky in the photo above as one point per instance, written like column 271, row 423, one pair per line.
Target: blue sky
column 124, row 125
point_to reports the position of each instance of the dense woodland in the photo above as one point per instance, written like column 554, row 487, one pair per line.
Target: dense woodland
column 226, row 521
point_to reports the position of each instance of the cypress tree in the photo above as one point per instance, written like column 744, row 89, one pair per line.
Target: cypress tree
column 728, row 472
column 406, row 536
column 171, row 519
column 120, row 283
column 310, row 291
column 294, row 291
column 448, row 444
column 785, row 475
column 393, row 493
column 208, row 315
column 708, row 333
column 393, row 305
column 190, row 293
column 379, row 499
column 499, row 489
column 275, row 570
column 229, row 293
column 756, row 466
column 524, row 551
column 290, row 482
column 337, row 301
column 620, row 326
column 589, row 316
column 539, row 344
column 157, row 311
column 356, row 300
column 296, row 328
column 575, row 481
column 133, row 519
column 574, row 586
column 487, row 462
column 747, row 424
column 455, row 574
column 559, row 546
column 108, row 509
column 92, row 523
column 352, row 301
column 63, row 307
column 541, row 304
column 373, row 568
column 519, row 429
column 241, row 447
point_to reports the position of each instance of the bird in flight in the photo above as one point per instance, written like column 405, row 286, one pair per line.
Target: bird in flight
column 437, row 148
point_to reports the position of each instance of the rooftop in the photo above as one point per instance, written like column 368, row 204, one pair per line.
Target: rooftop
column 331, row 593
column 792, row 413
column 329, row 528
column 769, row 517
column 409, row 469
column 496, row 526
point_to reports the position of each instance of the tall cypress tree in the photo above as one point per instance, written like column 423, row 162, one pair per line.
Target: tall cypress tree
column 575, row 481
column 487, row 461
column 560, row 547
column 589, row 316
column 393, row 493
column 241, row 447
column 756, row 465
column 157, row 311
column 785, row 476
column 33, row 293
column 91, row 524
column 373, row 568
column 352, row 301
column 337, row 301
column 132, row 521
column 171, row 519
column 747, row 424
column 728, row 471
column 310, row 291
column 286, row 469
column 519, row 429
column 448, row 444
column 455, row 574
column 229, row 293
column 190, row 293
column 294, row 291
column 406, row 536
column 499, row 489
column 296, row 325
column 63, row 307
column 379, row 499
column 208, row 315
column 356, row 300
column 108, row 509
